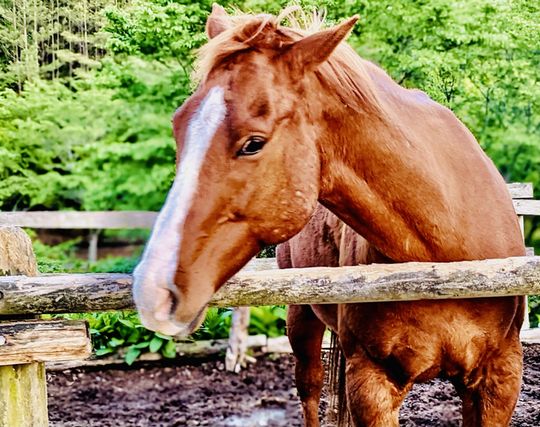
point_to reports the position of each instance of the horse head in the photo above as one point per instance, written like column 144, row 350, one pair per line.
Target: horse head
column 248, row 164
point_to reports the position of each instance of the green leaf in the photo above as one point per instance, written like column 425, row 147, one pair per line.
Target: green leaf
column 142, row 345
column 131, row 355
column 103, row 351
column 115, row 342
column 155, row 344
column 127, row 323
column 165, row 337
column 169, row 349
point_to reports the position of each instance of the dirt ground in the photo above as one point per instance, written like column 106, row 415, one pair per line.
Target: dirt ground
column 202, row 394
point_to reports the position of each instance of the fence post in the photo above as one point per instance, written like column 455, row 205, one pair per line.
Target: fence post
column 93, row 246
column 526, row 323
column 235, row 357
column 23, row 388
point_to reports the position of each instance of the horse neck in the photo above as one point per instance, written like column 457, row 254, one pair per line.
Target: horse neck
column 357, row 188
column 390, row 179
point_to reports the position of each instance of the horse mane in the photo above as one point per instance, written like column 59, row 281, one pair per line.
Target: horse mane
column 345, row 73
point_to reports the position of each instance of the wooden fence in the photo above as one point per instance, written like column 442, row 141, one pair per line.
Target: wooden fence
column 35, row 341
column 26, row 344
column 95, row 221
column 79, row 293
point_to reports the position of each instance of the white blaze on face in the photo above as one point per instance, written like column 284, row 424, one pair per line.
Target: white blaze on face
column 154, row 276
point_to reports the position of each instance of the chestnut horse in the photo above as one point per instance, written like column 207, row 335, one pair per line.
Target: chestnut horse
column 324, row 241
column 283, row 118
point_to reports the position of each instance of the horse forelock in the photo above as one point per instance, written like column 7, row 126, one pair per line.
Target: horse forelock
column 345, row 73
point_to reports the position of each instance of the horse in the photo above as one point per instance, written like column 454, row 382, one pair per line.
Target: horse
column 283, row 118
column 324, row 241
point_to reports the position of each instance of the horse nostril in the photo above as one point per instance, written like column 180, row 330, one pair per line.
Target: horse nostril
column 174, row 303
column 166, row 305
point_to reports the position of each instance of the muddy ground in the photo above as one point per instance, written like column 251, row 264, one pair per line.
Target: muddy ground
column 202, row 394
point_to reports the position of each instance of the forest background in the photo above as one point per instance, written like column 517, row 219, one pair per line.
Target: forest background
column 88, row 88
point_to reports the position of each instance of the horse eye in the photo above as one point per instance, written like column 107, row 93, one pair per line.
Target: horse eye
column 252, row 146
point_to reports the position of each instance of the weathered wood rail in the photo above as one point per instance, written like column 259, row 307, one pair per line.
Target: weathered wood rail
column 75, row 293
column 67, row 220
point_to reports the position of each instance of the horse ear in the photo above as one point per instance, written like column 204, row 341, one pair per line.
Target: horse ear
column 306, row 54
column 217, row 22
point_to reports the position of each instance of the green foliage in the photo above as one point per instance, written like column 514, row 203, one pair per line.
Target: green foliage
column 268, row 320
column 61, row 258
column 56, row 259
column 101, row 139
column 534, row 311
column 268, row 252
column 114, row 331
column 217, row 324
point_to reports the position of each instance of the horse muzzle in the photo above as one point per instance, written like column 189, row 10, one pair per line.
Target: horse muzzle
column 160, row 308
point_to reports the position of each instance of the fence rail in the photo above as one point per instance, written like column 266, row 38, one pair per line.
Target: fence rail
column 319, row 285
column 145, row 219
column 79, row 220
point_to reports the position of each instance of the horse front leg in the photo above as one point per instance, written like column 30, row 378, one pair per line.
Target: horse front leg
column 490, row 400
column 373, row 398
column 305, row 332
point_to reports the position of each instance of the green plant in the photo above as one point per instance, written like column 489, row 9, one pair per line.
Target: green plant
column 534, row 311
column 216, row 325
column 114, row 331
column 268, row 320
column 57, row 258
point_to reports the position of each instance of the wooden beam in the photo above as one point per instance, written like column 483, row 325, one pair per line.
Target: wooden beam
column 527, row 207
column 261, row 264
column 79, row 220
column 530, row 336
column 146, row 219
column 320, row 285
column 43, row 341
column 16, row 253
column 520, row 190
column 93, row 239
column 235, row 356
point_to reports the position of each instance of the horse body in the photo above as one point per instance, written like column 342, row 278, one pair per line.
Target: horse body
column 281, row 120
column 400, row 337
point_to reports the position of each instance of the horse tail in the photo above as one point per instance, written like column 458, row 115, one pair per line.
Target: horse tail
column 337, row 407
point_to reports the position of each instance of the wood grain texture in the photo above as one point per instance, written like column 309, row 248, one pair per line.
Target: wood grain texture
column 530, row 336
column 235, row 356
column 16, row 252
column 43, row 341
column 369, row 283
column 261, row 264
